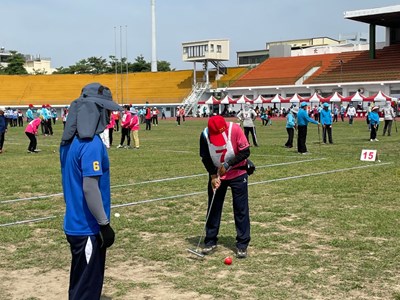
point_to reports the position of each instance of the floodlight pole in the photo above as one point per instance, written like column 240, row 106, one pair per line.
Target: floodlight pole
column 153, row 37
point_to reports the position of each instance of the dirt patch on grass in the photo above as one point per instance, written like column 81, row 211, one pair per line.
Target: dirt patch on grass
column 125, row 281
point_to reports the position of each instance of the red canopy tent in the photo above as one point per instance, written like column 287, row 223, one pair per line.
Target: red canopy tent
column 336, row 97
column 243, row 99
column 356, row 97
column 228, row 100
column 278, row 99
column 316, row 98
column 378, row 97
column 296, row 99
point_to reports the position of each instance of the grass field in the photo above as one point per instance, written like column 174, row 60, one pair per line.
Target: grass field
column 324, row 225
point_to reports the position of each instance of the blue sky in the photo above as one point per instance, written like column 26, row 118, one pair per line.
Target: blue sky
column 68, row 31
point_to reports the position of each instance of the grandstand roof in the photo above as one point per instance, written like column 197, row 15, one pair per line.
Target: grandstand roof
column 388, row 16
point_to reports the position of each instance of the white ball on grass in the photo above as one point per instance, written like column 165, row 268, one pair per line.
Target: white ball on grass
column 117, row 215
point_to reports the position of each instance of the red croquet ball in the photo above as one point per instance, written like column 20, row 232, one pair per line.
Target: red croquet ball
column 228, row 260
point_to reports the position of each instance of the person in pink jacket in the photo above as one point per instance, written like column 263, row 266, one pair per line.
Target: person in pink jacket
column 31, row 131
column 125, row 131
column 135, row 129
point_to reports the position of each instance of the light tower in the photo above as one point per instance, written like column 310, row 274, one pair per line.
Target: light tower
column 153, row 37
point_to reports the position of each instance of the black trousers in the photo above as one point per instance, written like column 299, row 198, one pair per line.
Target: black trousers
column 2, row 135
column 289, row 142
column 373, row 132
column 33, row 141
column 87, row 268
column 251, row 130
column 388, row 127
column 327, row 130
column 301, row 139
column 110, row 135
column 125, row 132
column 148, row 124
column 239, row 188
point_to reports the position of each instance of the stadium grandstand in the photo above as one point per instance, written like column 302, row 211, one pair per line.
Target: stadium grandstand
column 324, row 68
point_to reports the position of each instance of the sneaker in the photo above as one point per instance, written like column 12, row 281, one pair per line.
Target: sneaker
column 209, row 249
column 120, row 146
column 128, row 147
column 37, row 150
column 376, row 140
column 241, row 253
column 371, row 140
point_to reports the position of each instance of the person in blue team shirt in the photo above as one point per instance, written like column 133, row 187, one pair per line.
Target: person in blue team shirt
column 374, row 123
column 326, row 122
column 29, row 114
column 85, row 171
column 291, row 125
column 302, row 122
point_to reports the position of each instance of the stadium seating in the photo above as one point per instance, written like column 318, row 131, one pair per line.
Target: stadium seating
column 283, row 70
column 358, row 66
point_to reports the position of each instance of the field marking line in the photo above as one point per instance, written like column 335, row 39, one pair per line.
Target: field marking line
column 152, row 181
column 28, row 221
column 204, row 192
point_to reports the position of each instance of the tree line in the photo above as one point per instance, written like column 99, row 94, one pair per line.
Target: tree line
column 91, row 65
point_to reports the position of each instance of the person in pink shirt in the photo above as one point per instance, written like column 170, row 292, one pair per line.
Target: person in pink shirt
column 125, row 128
column 135, row 129
column 224, row 151
column 31, row 131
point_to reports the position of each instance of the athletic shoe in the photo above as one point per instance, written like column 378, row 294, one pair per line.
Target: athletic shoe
column 376, row 140
column 120, row 146
column 209, row 249
column 241, row 253
column 128, row 147
column 371, row 140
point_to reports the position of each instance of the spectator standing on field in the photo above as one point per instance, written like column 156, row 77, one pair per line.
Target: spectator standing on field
column 247, row 116
column 148, row 116
column 163, row 113
column 29, row 113
column 178, row 116
column 351, row 113
column 224, row 151
column 291, row 125
column 85, row 170
column 125, row 128
column 20, row 118
column 64, row 115
column 154, row 116
column 302, row 122
column 135, row 126
column 374, row 122
column 342, row 112
column 117, row 115
column 388, row 116
column 335, row 113
column 3, row 129
column 326, row 122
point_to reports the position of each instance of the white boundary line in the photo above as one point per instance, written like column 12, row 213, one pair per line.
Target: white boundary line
column 151, row 181
column 203, row 192
column 27, row 221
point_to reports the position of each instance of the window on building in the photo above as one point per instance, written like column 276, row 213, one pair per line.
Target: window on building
column 212, row 47
column 219, row 48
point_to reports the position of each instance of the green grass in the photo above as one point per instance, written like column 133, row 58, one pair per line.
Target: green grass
column 330, row 235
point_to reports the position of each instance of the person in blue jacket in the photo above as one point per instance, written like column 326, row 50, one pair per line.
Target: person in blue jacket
column 374, row 123
column 326, row 122
column 302, row 122
column 85, row 171
column 291, row 125
column 3, row 129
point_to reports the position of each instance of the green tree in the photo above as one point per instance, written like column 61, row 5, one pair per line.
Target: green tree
column 15, row 64
column 141, row 65
column 163, row 66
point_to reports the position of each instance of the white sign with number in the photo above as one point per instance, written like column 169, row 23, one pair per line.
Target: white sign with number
column 368, row 155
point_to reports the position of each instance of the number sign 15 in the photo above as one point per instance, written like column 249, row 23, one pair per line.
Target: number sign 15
column 368, row 155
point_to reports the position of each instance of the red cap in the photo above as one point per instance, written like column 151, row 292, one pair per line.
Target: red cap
column 216, row 126
column 30, row 105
